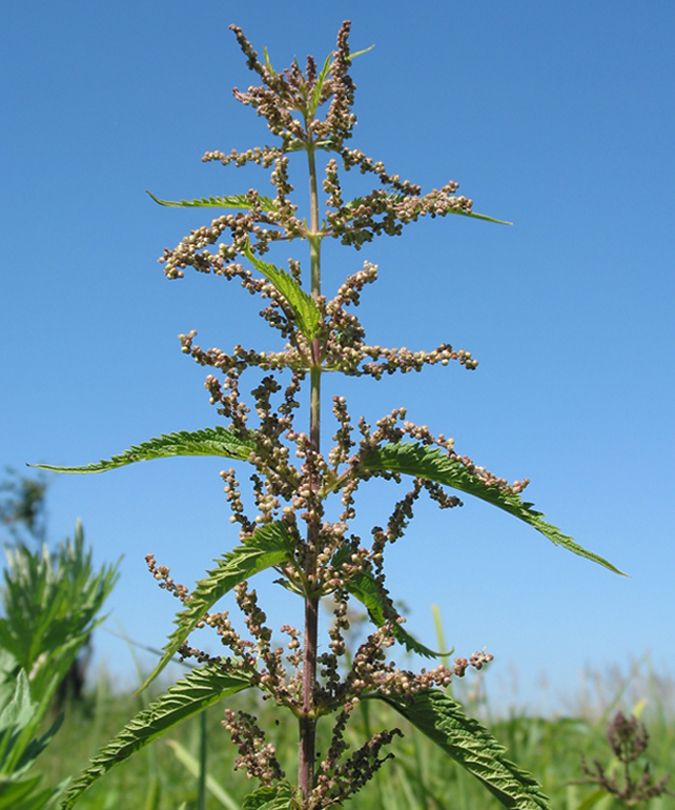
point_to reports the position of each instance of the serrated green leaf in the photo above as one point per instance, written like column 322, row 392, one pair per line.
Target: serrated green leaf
column 269, row 546
column 231, row 201
column 19, row 712
column 304, row 307
column 259, row 797
column 189, row 696
column 216, row 441
column 442, row 719
column 269, row 797
column 327, row 145
column 20, row 720
column 294, row 145
column 364, row 587
column 435, row 465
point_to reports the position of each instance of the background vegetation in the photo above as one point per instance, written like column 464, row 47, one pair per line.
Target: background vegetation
column 421, row 776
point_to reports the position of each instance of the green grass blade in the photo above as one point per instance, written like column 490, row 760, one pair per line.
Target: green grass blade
column 435, row 465
column 216, row 441
column 592, row 799
column 189, row 696
column 153, row 796
column 231, row 201
column 440, row 635
column 304, row 308
column 269, row 546
column 192, row 765
column 471, row 745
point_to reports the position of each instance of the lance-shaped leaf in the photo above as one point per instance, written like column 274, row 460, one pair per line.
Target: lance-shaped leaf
column 321, row 79
column 305, row 310
column 364, row 587
column 268, row 63
column 360, row 53
column 189, row 696
column 231, row 201
column 216, row 441
column 433, row 464
column 474, row 215
column 318, row 87
column 269, row 546
column 471, row 745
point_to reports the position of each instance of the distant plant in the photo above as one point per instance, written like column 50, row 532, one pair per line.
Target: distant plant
column 23, row 506
column 50, row 604
column 286, row 525
column 628, row 739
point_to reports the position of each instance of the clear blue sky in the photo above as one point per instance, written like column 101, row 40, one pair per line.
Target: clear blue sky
column 556, row 116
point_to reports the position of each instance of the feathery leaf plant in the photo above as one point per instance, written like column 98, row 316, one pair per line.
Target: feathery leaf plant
column 313, row 556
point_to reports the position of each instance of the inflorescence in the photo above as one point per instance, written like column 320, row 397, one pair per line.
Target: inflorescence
column 292, row 479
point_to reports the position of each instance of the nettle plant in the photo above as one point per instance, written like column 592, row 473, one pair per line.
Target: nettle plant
column 296, row 481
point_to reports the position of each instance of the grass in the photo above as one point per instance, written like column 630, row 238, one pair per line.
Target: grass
column 421, row 777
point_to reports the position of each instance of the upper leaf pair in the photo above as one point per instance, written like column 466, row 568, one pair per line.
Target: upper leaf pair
column 404, row 457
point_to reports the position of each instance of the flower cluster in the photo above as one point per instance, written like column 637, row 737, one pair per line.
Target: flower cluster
column 255, row 755
column 282, row 95
column 628, row 740
column 289, row 101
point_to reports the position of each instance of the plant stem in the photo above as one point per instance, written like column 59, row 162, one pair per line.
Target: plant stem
column 307, row 750
column 307, row 719
column 314, row 233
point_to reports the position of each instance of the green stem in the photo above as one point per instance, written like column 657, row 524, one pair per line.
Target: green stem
column 314, row 235
column 307, row 748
